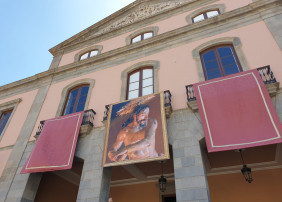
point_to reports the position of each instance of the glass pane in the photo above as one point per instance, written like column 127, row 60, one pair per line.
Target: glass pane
column 93, row 53
column 228, row 60
column 147, row 91
column 80, row 107
column 212, row 14
column 71, row 101
column 84, row 56
column 215, row 73
column 73, row 94
column 211, row 65
column 136, row 39
column 225, row 51
column 147, row 82
column 134, row 77
column 199, row 18
column 134, row 86
column 147, row 73
column 209, row 55
column 84, row 90
column 68, row 110
column 82, row 99
column 231, row 69
column 133, row 94
column 148, row 35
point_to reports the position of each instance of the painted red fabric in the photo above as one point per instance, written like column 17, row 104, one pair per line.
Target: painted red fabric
column 237, row 112
column 55, row 147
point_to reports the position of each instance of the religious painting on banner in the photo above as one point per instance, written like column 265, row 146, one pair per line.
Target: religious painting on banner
column 237, row 112
column 136, row 131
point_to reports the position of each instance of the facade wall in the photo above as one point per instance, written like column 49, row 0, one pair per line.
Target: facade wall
column 174, row 52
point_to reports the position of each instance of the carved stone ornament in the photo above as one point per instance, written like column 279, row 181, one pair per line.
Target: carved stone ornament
column 142, row 12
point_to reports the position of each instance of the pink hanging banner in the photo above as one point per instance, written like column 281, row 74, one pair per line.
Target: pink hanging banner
column 55, row 147
column 237, row 112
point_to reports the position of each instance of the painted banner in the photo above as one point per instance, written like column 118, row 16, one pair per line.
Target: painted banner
column 55, row 147
column 136, row 131
column 237, row 112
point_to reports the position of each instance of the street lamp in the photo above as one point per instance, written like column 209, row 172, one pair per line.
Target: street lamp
column 247, row 172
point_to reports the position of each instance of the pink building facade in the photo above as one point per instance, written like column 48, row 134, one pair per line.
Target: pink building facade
column 103, row 58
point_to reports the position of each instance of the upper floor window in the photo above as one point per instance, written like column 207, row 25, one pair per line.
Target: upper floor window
column 76, row 99
column 4, row 117
column 220, row 61
column 89, row 54
column 142, row 36
column 205, row 15
column 140, row 83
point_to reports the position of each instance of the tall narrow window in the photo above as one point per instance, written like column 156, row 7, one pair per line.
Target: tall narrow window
column 76, row 99
column 140, row 83
column 205, row 15
column 4, row 119
column 142, row 37
column 220, row 61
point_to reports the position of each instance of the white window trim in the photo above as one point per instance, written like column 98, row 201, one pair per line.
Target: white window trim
column 140, row 31
column 95, row 47
column 124, row 76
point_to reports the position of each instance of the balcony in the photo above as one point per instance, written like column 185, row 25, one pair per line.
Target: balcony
column 167, row 105
column 266, row 74
column 86, row 125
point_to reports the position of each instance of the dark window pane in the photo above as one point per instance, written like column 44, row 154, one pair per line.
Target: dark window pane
column 69, row 110
column 231, row 69
column 73, row 94
column 211, row 65
column 224, row 51
column 209, row 55
column 4, row 119
column 82, row 99
column 228, row 60
column 80, row 107
column 213, row 74
column 84, row 90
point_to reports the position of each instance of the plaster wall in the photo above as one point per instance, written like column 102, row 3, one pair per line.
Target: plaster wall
column 4, row 156
column 232, row 187
column 176, row 64
column 169, row 24
column 18, row 118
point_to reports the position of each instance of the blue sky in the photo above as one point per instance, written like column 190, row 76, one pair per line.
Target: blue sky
column 29, row 28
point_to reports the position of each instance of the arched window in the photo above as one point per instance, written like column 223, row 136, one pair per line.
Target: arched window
column 140, row 82
column 76, row 99
column 205, row 15
column 220, row 61
column 4, row 118
column 142, row 37
column 89, row 54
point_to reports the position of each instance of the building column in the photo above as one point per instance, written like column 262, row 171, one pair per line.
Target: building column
column 184, row 132
column 95, row 180
column 12, row 183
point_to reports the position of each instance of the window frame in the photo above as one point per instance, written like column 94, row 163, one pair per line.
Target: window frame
column 142, row 37
column 88, row 54
column 1, row 115
column 76, row 99
column 68, row 88
column 205, row 15
column 140, row 80
column 4, row 107
column 88, row 49
column 218, row 59
column 154, row 30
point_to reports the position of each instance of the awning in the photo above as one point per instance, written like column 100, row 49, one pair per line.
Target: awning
column 237, row 112
column 55, row 147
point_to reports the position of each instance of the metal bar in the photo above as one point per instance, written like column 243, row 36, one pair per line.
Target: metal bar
column 190, row 93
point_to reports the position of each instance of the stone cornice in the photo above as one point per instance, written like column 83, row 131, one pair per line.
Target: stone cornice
column 99, row 32
column 252, row 13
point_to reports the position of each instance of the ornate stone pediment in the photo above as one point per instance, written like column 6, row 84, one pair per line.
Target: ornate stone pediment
column 139, row 10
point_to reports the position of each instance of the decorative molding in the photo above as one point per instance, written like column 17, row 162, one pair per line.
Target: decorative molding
column 235, row 41
column 220, row 7
column 140, row 31
column 124, row 76
column 66, row 89
column 94, row 47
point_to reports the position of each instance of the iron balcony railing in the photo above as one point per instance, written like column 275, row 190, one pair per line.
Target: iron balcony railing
column 88, row 119
column 265, row 73
column 167, row 103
